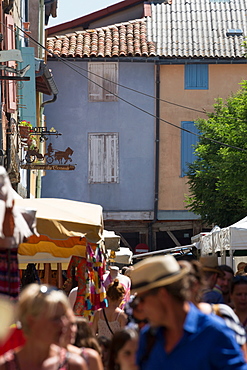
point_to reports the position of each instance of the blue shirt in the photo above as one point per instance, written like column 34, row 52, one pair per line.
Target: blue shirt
column 212, row 296
column 207, row 343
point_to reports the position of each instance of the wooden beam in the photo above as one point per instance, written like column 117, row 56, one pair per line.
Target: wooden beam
column 173, row 237
column 124, row 241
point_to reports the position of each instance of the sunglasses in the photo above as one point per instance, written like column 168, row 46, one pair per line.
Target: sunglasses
column 141, row 297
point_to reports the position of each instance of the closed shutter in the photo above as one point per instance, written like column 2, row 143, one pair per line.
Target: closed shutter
column 9, row 45
column 96, row 161
column 110, row 75
column 196, row 76
column 95, row 82
column 111, row 145
column 187, row 145
column 102, row 83
column 103, row 158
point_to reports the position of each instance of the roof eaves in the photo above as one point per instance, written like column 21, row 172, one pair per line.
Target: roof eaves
column 85, row 20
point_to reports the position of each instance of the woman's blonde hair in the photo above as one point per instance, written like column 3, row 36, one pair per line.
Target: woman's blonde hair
column 36, row 299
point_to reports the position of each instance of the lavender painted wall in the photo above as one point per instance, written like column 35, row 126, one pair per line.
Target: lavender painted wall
column 75, row 117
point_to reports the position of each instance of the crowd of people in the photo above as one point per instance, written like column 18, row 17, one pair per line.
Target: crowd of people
column 161, row 314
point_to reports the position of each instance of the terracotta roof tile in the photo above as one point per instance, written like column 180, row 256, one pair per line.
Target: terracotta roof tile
column 124, row 39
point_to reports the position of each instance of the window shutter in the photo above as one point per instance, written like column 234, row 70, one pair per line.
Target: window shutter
column 95, row 82
column 102, row 83
column 96, row 158
column 196, row 76
column 9, row 45
column 111, row 76
column 111, row 143
column 103, row 158
column 187, row 142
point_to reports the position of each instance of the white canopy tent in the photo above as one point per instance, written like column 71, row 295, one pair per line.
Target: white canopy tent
column 232, row 238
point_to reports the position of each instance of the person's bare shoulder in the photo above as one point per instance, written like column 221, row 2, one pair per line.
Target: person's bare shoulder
column 76, row 362
column 94, row 359
column 122, row 317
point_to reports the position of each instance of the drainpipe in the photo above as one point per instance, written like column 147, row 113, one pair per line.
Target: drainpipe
column 26, row 39
column 40, row 56
column 47, row 102
column 41, row 28
column 157, row 151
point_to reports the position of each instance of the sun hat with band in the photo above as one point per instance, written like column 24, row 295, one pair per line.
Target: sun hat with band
column 210, row 263
column 155, row 272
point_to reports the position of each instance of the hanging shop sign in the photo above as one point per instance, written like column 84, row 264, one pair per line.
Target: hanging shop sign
column 61, row 156
column 54, row 159
column 42, row 132
column 38, row 166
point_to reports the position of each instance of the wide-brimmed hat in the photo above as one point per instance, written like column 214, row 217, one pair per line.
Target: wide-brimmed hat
column 210, row 263
column 155, row 272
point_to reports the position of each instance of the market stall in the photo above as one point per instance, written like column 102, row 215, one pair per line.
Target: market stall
column 231, row 240
column 71, row 230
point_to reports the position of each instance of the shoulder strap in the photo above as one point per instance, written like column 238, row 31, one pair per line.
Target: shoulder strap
column 118, row 315
column 107, row 321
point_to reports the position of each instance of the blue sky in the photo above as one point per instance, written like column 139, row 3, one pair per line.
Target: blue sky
column 72, row 9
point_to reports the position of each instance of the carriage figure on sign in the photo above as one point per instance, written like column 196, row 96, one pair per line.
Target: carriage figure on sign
column 57, row 155
column 33, row 154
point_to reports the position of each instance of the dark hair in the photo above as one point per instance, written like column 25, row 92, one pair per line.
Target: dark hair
column 238, row 280
column 119, row 339
column 104, row 341
column 196, row 280
column 124, row 269
column 226, row 268
column 115, row 291
column 84, row 335
column 30, row 275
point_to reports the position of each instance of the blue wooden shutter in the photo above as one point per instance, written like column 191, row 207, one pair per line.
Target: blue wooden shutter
column 196, row 76
column 187, row 142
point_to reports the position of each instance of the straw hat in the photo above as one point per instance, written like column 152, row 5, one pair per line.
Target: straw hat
column 210, row 263
column 7, row 316
column 155, row 272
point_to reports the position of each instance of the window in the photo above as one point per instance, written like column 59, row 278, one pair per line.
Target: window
column 103, row 158
column 102, row 83
column 196, row 76
column 187, row 145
